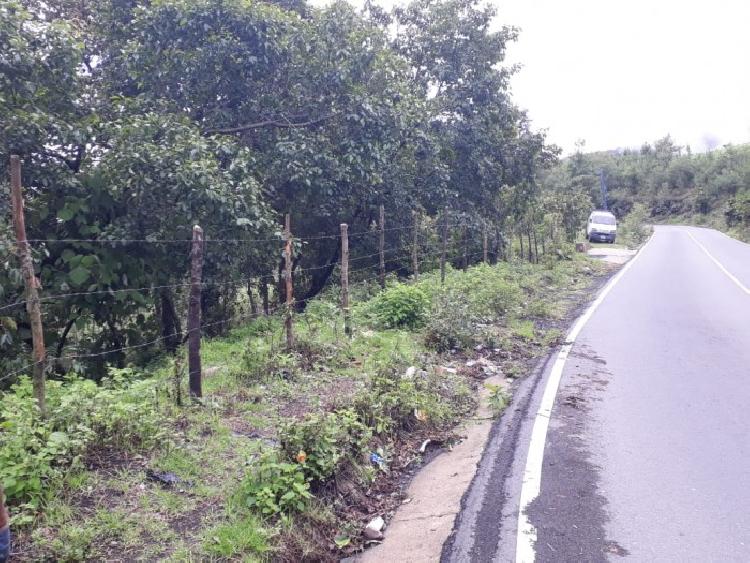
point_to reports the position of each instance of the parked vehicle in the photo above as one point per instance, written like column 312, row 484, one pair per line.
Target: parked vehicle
column 602, row 227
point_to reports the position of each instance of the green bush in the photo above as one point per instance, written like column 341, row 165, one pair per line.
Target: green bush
column 632, row 229
column 324, row 441
column 492, row 292
column 401, row 305
column 81, row 415
column 274, row 486
column 312, row 450
column 255, row 360
column 451, row 323
column 392, row 403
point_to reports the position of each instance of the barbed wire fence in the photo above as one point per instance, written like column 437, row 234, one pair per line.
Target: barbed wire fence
column 421, row 244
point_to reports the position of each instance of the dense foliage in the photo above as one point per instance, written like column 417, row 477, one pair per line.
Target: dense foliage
column 136, row 120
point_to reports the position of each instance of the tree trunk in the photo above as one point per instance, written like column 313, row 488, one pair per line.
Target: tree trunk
column 528, row 236
column 320, row 277
column 263, row 290
column 171, row 330
column 466, row 248
column 498, row 254
column 64, row 337
column 253, row 303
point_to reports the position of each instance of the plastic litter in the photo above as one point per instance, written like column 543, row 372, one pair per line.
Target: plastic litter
column 373, row 530
column 377, row 459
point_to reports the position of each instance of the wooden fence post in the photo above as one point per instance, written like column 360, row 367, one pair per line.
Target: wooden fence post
column 194, row 314
column 381, row 245
column 31, row 284
column 289, row 285
column 345, row 278
column 415, row 240
column 444, row 245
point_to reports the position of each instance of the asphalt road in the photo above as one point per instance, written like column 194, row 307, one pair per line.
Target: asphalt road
column 647, row 449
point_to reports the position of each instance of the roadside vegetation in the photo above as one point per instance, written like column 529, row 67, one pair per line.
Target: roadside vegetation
column 290, row 453
column 135, row 121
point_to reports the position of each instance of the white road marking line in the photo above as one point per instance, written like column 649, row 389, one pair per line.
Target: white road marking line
column 532, row 475
column 719, row 264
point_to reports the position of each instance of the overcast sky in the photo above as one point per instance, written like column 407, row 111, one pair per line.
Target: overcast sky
column 618, row 73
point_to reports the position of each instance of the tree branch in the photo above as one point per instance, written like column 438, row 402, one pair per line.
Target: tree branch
column 73, row 164
column 268, row 123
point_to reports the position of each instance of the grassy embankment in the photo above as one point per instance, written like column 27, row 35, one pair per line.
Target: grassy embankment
column 277, row 461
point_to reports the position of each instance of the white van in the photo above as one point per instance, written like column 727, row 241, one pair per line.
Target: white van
column 602, row 227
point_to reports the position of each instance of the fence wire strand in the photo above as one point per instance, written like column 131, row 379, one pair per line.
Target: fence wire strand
column 254, row 279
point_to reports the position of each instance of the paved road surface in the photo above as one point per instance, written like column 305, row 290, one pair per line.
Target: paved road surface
column 647, row 452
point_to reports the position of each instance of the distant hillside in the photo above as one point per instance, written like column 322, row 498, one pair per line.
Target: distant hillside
column 671, row 182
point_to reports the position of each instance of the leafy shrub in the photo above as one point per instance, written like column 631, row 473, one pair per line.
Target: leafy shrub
column 450, row 324
column 274, row 486
column 260, row 326
column 82, row 415
column 737, row 209
column 401, row 305
column 255, row 360
column 320, row 313
column 392, row 403
column 490, row 291
column 259, row 363
column 542, row 308
column 498, row 399
column 632, row 229
column 499, row 296
column 325, row 440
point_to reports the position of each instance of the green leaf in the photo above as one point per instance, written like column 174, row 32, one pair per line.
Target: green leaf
column 67, row 212
column 79, row 275
column 58, row 437
column 342, row 541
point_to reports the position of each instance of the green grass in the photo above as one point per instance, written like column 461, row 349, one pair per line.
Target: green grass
column 523, row 329
column 249, row 397
column 245, row 537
